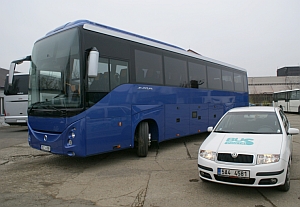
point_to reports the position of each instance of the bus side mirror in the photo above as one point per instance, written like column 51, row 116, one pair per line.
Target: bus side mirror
column 11, row 73
column 13, row 67
column 93, row 63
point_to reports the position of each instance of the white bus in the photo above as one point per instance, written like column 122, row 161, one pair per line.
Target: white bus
column 288, row 100
column 16, row 99
column 16, row 95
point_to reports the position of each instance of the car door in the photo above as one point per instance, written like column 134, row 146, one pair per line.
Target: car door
column 286, row 125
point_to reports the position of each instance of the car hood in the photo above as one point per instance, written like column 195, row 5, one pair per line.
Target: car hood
column 243, row 143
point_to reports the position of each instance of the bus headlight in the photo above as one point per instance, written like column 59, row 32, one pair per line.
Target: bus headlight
column 72, row 134
column 267, row 158
column 207, row 154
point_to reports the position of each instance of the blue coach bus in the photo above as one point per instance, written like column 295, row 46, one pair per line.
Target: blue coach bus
column 95, row 89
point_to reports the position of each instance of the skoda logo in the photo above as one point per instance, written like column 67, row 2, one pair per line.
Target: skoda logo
column 234, row 155
column 45, row 137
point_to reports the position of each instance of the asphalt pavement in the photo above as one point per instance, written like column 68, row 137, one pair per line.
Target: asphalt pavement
column 167, row 177
column 2, row 123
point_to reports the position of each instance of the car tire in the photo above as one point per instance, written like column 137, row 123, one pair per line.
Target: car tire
column 287, row 183
column 143, row 139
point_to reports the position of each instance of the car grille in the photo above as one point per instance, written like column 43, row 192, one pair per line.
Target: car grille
column 241, row 158
column 235, row 180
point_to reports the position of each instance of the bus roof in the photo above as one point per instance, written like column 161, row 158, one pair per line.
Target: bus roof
column 83, row 22
column 289, row 90
column 100, row 28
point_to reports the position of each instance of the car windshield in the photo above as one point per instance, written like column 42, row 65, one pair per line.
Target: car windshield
column 249, row 122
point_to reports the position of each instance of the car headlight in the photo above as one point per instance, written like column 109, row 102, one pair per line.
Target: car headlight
column 207, row 154
column 267, row 158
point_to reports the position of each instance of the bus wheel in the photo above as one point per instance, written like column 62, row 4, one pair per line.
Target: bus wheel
column 298, row 109
column 143, row 139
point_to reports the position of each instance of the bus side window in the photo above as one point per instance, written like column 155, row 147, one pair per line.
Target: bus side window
column 118, row 73
column 197, row 75
column 175, row 71
column 148, row 67
column 123, row 76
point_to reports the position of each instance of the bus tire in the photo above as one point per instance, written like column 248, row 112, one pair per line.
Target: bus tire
column 142, row 139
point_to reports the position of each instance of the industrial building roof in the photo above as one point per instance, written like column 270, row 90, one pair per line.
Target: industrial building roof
column 271, row 84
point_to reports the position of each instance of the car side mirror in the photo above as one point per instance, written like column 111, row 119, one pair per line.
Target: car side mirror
column 209, row 129
column 293, row 131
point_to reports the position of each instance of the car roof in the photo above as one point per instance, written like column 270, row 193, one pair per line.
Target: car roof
column 255, row 108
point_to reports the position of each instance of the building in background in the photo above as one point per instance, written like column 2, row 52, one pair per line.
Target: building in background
column 261, row 89
column 289, row 71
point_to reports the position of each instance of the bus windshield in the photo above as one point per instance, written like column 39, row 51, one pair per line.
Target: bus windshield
column 55, row 72
column 18, row 87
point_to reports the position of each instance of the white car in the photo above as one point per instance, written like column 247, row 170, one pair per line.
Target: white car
column 249, row 146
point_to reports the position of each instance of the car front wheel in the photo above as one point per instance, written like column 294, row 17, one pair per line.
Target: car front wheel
column 287, row 183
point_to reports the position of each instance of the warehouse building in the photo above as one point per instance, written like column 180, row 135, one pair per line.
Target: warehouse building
column 261, row 89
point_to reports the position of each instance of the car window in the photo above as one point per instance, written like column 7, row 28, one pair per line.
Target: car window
column 249, row 122
column 285, row 121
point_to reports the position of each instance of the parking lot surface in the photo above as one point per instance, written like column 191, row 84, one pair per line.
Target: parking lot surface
column 168, row 176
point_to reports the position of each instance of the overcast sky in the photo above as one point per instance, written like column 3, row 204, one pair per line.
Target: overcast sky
column 257, row 35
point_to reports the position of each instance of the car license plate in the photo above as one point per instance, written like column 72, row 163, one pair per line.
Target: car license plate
column 46, row 148
column 234, row 173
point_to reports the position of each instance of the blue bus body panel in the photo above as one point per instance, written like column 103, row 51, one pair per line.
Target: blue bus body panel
column 198, row 119
column 111, row 123
column 57, row 137
column 108, row 128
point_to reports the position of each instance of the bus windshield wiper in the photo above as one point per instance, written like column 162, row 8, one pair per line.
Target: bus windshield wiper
column 46, row 106
column 34, row 104
column 56, row 109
